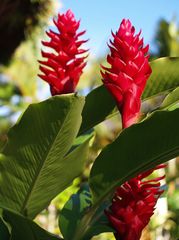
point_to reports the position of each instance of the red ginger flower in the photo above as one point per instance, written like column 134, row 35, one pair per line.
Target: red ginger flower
column 128, row 72
column 63, row 68
column 134, row 202
column 133, row 205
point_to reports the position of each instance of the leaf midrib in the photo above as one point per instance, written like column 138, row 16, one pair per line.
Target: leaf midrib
column 41, row 167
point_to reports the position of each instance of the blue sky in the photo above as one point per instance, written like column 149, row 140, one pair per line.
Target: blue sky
column 98, row 17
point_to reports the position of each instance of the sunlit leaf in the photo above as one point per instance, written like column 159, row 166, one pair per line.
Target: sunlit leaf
column 34, row 162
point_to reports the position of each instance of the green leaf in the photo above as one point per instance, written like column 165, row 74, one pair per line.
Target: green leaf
column 75, row 209
column 165, row 76
column 137, row 149
column 4, row 233
column 171, row 99
column 23, row 228
column 98, row 105
column 82, row 138
column 33, row 168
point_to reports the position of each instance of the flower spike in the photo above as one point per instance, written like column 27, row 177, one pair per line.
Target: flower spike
column 128, row 72
column 134, row 202
column 133, row 205
column 63, row 68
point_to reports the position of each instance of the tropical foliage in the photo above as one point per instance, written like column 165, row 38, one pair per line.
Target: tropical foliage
column 51, row 145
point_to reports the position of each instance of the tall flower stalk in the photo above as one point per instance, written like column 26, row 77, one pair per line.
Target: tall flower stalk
column 64, row 65
column 134, row 202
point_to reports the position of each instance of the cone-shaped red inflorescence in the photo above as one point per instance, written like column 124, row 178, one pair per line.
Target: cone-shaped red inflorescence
column 133, row 205
column 128, row 72
column 64, row 66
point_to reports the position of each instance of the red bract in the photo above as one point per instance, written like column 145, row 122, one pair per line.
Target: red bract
column 64, row 66
column 128, row 72
column 133, row 205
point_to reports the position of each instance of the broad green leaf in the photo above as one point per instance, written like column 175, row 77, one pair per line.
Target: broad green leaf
column 23, row 228
column 82, row 138
column 32, row 166
column 171, row 99
column 138, row 148
column 98, row 105
column 75, row 209
column 173, row 106
column 165, row 76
